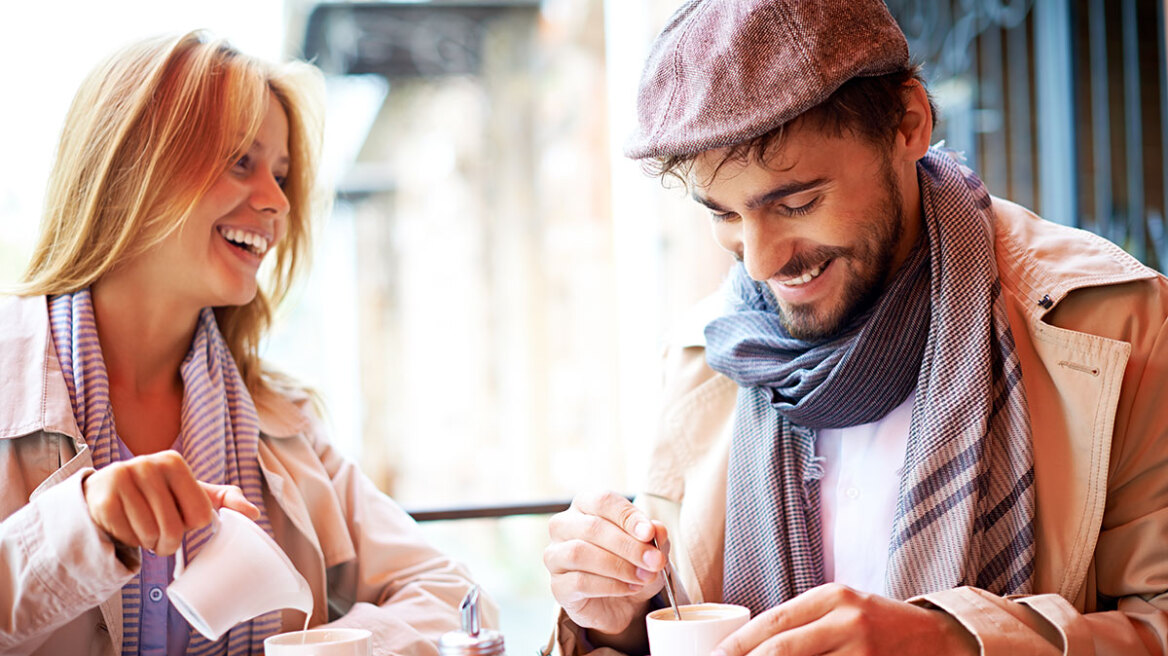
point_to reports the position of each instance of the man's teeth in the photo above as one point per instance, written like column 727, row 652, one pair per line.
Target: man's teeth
column 807, row 277
column 255, row 243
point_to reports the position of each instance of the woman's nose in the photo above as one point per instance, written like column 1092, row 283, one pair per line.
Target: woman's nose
column 268, row 196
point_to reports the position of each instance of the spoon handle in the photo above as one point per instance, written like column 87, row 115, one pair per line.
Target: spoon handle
column 669, row 585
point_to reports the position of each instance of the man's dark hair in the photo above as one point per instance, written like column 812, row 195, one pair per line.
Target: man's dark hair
column 868, row 107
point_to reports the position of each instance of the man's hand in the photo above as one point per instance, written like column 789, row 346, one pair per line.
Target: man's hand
column 835, row 619
column 604, row 567
column 151, row 501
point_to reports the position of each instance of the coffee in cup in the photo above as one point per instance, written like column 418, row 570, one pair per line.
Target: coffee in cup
column 700, row 629
column 319, row 642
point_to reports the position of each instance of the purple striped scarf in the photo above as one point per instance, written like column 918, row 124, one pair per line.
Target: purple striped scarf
column 965, row 511
column 219, row 440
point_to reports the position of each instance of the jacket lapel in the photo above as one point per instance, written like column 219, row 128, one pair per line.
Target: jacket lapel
column 1073, row 378
column 1072, row 420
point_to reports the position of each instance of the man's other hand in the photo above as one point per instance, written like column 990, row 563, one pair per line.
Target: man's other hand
column 836, row 619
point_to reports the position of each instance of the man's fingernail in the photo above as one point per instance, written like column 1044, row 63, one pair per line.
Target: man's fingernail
column 644, row 531
column 652, row 559
column 645, row 575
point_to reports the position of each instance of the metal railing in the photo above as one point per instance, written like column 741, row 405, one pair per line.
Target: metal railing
column 494, row 511
column 488, row 511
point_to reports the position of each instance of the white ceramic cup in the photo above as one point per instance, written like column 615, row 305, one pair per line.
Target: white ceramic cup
column 238, row 574
column 319, row 642
column 701, row 628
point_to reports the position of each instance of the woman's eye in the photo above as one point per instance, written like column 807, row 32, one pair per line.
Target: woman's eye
column 242, row 163
column 281, row 180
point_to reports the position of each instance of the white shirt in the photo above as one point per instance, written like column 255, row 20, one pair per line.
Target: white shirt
column 861, row 479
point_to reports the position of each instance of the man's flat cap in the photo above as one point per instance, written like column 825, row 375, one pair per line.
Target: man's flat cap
column 725, row 71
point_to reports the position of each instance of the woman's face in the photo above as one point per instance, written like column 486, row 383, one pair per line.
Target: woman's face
column 212, row 261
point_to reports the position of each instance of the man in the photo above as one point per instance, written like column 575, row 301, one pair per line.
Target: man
column 922, row 420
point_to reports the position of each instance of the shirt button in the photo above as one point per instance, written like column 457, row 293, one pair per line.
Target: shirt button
column 852, row 493
column 156, row 594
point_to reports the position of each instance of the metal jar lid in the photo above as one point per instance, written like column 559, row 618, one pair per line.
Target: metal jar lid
column 472, row 640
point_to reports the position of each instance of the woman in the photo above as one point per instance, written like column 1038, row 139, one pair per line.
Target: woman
column 133, row 402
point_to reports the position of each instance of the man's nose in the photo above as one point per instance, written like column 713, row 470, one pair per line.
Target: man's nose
column 765, row 247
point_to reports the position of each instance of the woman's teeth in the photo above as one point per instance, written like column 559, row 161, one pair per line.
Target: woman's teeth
column 249, row 240
column 807, row 277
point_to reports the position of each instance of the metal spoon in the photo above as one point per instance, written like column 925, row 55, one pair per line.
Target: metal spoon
column 669, row 584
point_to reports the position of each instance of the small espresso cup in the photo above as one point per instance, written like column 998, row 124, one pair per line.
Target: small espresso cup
column 319, row 642
column 238, row 574
column 700, row 629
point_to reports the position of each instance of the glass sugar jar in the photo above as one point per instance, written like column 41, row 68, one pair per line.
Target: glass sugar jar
column 471, row 639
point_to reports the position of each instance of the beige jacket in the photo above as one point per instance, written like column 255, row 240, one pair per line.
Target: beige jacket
column 61, row 576
column 1095, row 368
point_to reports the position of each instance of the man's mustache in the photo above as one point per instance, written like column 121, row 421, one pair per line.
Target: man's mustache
column 804, row 261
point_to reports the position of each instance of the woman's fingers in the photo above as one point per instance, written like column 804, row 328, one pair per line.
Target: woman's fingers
column 105, row 507
column 229, row 496
column 193, row 503
column 156, row 517
column 152, row 501
column 119, row 507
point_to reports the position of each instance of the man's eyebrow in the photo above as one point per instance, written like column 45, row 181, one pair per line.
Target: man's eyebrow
column 714, row 207
column 762, row 200
column 782, row 191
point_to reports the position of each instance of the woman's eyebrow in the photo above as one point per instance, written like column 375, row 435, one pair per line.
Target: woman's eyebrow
column 259, row 145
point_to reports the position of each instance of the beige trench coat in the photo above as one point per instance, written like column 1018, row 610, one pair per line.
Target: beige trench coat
column 1095, row 368
column 60, row 576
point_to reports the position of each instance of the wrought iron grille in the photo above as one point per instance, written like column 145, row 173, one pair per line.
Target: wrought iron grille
column 1060, row 105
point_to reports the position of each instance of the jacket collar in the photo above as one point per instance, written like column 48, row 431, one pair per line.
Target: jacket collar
column 33, row 393
column 1045, row 261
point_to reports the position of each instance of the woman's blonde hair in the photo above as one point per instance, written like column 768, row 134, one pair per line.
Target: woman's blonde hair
column 149, row 132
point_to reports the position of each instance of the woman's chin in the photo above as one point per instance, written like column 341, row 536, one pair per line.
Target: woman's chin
column 237, row 296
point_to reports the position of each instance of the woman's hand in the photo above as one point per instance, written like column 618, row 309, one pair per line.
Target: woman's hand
column 151, row 501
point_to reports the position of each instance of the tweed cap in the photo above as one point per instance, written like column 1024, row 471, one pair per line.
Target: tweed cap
column 726, row 71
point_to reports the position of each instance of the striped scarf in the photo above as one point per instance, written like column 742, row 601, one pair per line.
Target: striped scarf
column 219, row 438
column 965, row 511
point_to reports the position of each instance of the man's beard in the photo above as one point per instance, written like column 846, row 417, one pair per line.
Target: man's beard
column 871, row 261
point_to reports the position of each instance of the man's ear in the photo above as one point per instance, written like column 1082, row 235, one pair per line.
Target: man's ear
column 915, row 132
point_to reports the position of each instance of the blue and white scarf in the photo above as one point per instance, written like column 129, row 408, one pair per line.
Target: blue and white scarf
column 219, row 438
column 965, row 511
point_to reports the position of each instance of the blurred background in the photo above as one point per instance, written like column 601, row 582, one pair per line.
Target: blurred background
column 492, row 288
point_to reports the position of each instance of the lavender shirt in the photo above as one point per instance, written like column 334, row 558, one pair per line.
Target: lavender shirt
column 162, row 631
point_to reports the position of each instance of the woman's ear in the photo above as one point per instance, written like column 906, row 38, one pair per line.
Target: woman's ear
column 915, row 132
